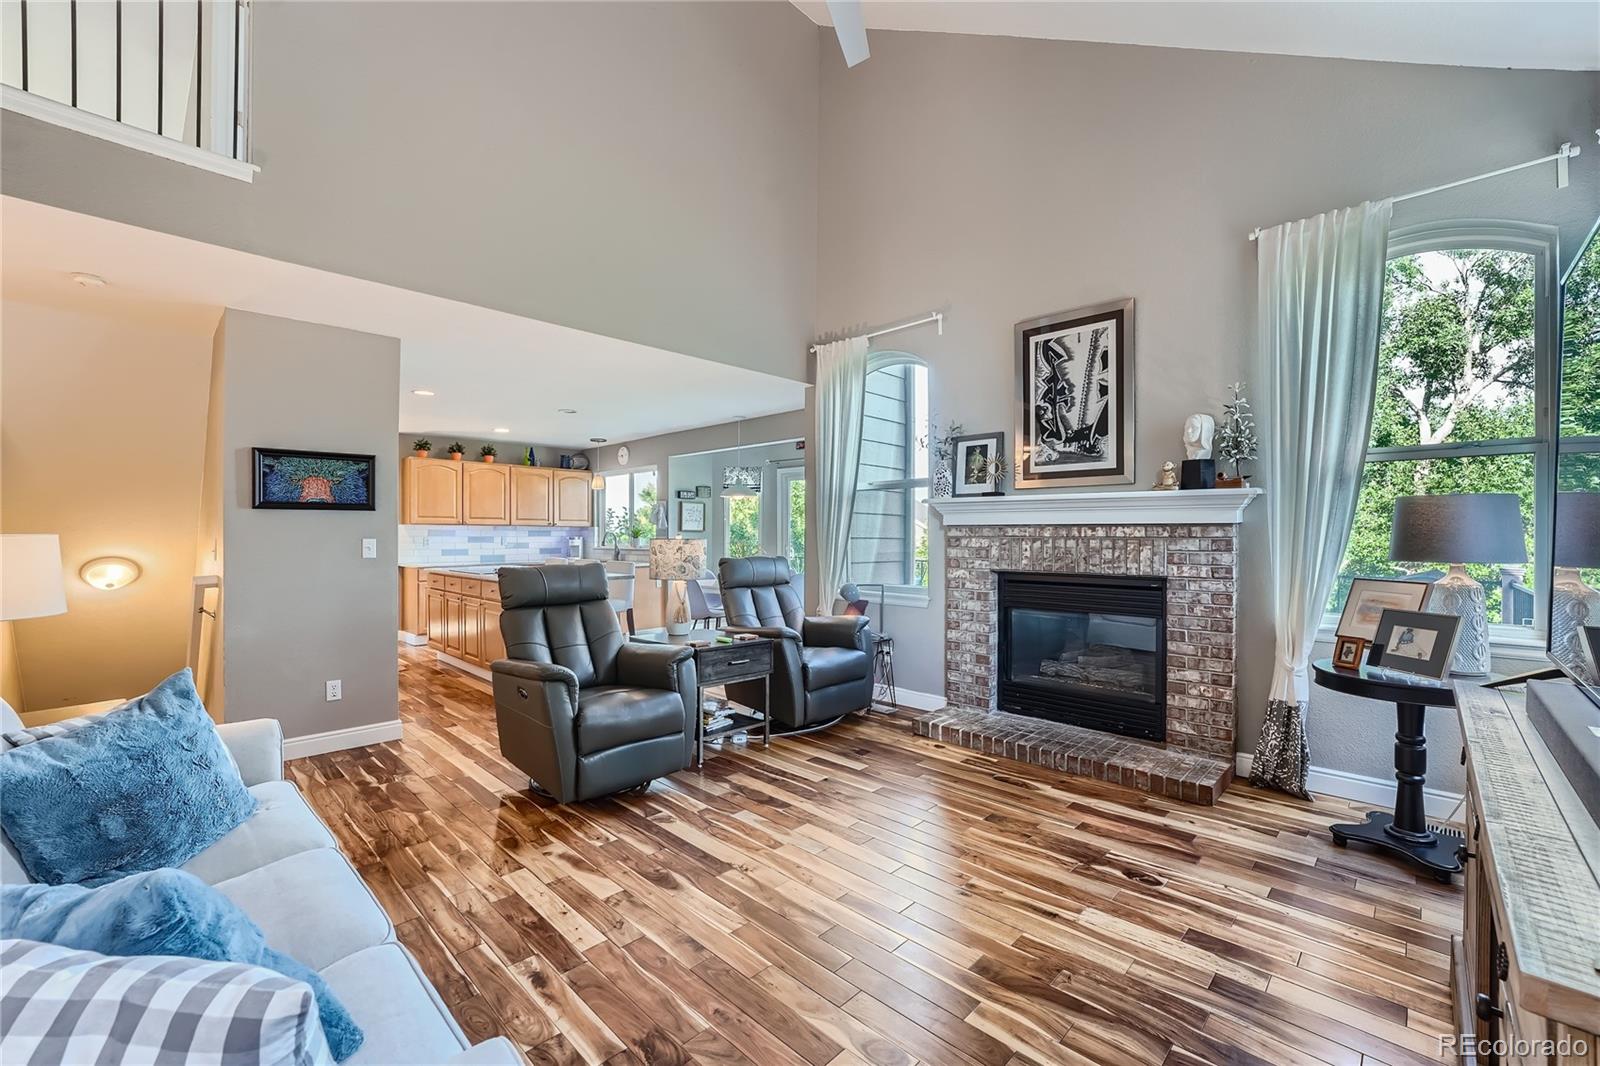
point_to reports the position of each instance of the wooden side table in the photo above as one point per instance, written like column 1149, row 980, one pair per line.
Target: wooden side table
column 722, row 664
column 1405, row 832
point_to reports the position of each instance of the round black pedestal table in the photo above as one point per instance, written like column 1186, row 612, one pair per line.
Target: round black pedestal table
column 1405, row 832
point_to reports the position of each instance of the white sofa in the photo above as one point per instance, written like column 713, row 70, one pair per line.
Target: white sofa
column 285, row 870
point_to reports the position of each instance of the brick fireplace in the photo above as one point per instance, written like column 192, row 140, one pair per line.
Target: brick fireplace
column 1187, row 538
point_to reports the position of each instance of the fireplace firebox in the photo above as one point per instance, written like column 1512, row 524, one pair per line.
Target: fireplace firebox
column 1085, row 649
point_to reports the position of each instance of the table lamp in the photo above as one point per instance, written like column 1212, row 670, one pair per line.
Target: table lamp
column 1481, row 527
column 1574, row 603
column 675, row 560
column 31, row 582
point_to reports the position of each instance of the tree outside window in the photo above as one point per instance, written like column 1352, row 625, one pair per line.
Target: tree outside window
column 743, row 525
column 1462, row 366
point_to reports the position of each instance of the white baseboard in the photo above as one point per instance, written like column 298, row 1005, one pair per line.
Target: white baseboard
column 918, row 701
column 461, row 664
column 339, row 739
column 1377, row 791
column 415, row 640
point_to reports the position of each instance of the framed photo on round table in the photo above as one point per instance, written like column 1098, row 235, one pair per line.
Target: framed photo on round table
column 1416, row 642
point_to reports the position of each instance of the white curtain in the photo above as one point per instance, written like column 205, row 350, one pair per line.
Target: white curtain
column 841, row 397
column 1320, row 297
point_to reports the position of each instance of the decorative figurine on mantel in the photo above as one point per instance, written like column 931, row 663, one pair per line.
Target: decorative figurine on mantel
column 1236, row 442
column 1199, row 469
column 1168, row 478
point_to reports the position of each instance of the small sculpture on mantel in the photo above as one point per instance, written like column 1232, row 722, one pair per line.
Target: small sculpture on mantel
column 1168, row 478
column 1199, row 469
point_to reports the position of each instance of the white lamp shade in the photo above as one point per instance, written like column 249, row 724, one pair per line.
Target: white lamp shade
column 31, row 583
column 676, row 559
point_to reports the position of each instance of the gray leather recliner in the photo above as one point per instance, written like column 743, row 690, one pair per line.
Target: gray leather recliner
column 821, row 667
column 580, row 710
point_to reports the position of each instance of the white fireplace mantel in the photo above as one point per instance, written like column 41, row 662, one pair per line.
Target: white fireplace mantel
column 1148, row 507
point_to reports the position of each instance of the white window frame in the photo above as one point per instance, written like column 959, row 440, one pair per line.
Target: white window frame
column 787, row 472
column 631, row 473
column 1541, row 243
column 904, row 595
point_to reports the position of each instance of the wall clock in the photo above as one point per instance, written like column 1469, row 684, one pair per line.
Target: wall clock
column 622, row 455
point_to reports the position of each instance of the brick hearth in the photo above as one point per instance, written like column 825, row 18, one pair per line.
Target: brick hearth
column 1199, row 565
column 1164, row 771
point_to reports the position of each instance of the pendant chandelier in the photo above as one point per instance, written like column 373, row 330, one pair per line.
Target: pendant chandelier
column 740, row 480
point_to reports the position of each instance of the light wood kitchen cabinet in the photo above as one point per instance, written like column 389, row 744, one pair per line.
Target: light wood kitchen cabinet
column 485, row 494
column 464, row 617
column 414, row 600
column 493, row 641
column 436, row 618
column 431, row 492
column 532, row 496
column 574, row 498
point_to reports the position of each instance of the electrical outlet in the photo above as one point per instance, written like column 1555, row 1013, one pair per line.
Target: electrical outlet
column 369, row 547
column 335, row 690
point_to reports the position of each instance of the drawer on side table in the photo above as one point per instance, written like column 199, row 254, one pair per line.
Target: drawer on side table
column 743, row 661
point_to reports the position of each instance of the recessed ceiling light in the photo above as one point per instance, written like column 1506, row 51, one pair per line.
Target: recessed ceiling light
column 422, row 392
column 566, row 410
column 597, row 440
column 89, row 281
column 502, row 429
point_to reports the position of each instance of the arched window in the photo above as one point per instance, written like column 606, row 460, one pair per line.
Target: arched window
column 889, row 533
column 1467, row 373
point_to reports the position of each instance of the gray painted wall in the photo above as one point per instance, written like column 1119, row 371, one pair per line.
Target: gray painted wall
column 644, row 171
column 300, row 605
column 1000, row 179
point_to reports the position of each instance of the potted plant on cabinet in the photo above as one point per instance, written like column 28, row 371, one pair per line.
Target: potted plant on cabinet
column 422, row 446
column 487, row 453
column 455, row 450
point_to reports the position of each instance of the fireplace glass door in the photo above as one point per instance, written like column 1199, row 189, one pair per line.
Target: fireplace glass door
column 1085, row 649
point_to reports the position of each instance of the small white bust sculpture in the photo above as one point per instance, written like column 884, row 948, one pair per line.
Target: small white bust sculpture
column 1197, row 433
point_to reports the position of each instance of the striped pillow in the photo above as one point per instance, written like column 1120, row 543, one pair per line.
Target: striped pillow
column 22, row 737
column 61, row 1005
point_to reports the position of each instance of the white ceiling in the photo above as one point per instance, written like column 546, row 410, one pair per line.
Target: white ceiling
column 486, row 368
column 1527, row 34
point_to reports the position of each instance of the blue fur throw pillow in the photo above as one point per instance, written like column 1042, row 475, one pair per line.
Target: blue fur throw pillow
column 147, row 785
column 163, row 912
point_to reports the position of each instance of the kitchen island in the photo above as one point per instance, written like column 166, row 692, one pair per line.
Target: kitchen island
column 455, row 609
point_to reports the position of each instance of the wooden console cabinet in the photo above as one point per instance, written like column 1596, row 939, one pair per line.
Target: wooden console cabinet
column 1527, row 967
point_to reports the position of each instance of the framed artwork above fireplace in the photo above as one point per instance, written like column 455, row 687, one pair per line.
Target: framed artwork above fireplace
column 1075, row 398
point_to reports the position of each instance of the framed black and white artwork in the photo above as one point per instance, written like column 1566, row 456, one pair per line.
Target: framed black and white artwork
column 1075, row 398
column 978, row 464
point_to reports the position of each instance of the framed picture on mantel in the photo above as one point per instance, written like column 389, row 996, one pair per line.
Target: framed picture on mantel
column 1075, row 398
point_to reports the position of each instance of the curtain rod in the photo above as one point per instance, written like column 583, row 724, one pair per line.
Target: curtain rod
column 1561, row 155
column 931, row 316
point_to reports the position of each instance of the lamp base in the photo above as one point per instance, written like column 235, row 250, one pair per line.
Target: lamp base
column 1456, row 593
column 678, row 620
column 1573, row 605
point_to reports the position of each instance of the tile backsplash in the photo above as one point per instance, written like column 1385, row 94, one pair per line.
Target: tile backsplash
column 474, row 545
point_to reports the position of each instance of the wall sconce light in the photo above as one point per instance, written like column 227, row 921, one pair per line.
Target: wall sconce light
column 110, row 572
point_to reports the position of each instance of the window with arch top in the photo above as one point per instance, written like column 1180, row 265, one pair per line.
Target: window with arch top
column 889, row 530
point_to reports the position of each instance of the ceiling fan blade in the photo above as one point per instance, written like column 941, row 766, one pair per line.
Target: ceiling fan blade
column 851, row 27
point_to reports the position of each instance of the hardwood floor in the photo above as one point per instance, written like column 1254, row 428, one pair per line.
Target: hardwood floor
column 867, row 896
